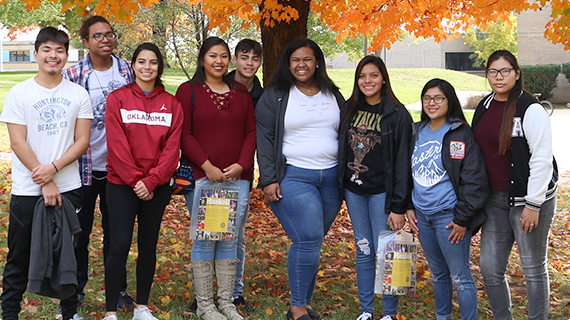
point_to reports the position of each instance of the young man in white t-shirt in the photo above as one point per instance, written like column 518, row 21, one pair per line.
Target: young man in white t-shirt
column 100, row 73
column 48, row 120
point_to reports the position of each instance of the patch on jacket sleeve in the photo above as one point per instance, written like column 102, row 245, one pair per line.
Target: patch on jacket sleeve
column 457, row 150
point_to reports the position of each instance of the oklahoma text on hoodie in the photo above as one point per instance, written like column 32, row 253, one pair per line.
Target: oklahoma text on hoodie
column 143, row 136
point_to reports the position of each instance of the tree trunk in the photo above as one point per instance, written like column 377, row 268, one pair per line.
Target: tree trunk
column 276, row 38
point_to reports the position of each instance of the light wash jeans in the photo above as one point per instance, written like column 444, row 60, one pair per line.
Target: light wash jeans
column 238, row 289
column 210, row 250
column 500, row 231
column 368, row 218
column 449, row 264
column 308, row 208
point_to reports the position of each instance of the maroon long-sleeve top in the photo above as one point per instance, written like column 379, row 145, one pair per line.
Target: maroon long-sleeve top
column 224, row 135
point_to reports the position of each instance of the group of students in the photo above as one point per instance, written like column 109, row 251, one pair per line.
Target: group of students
column 314, row 149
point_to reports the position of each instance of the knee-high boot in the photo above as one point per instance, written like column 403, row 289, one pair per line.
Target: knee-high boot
column 226, row 277
column 203, row 275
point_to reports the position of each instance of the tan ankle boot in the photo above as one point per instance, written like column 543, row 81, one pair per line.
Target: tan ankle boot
column 203, row 275
column 226, row 277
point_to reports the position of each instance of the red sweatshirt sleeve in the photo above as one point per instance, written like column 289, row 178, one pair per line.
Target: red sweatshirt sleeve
column 119, row 158
column 168, row 158
column 189, row 145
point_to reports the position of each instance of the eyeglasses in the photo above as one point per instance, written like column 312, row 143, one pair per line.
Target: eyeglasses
column 436, row 99
column 504, row 72
column 100, row 36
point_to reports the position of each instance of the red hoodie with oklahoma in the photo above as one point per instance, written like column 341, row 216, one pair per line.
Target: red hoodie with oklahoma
column 143, row 136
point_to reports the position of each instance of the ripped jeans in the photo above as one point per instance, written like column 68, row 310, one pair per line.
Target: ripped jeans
column 449, row 264
column 368, row 218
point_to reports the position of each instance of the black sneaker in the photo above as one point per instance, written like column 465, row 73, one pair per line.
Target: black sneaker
column 191, row 310
column 313, row 314
column 126, row 302
column 241, row 303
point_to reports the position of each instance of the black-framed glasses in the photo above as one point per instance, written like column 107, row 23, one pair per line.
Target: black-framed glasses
column 436, row 99
column 100, row 36
column 504, row 72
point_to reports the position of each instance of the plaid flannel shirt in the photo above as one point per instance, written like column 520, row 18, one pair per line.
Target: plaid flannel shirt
column 79, row 73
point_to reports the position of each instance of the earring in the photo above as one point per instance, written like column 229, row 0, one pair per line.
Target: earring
column 317, row 66
column 384, row 82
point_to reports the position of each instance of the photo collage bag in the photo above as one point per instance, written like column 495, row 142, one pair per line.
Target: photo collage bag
column 396, row 263
column 214, row 210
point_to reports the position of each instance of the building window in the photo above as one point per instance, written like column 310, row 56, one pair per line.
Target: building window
column 459, row 61
column 19, row 56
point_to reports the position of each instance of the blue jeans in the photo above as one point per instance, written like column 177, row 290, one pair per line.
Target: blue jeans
column 449, row 264
column 368, row 217
column 210, row 250
column 500, row 231
column 238, row 289
column 308, row 208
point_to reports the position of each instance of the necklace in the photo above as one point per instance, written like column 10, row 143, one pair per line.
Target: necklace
column 305, row 89
column 209, row 85
column 104, row 91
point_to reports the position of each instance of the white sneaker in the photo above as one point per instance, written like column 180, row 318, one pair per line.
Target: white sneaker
column 59, row 316
column 110, row 317
column 387, row 317
column 143, row 313
column 366, row 316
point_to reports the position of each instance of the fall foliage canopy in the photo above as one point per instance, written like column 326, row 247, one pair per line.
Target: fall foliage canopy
column 382, row 21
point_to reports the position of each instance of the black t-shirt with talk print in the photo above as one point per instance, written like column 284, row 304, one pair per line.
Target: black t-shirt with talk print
column 365, row 167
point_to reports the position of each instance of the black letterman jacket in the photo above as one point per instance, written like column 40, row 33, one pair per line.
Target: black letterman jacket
column 533, row 173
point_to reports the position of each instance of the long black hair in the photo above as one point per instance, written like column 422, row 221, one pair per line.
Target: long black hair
column 151, row 47
column 283, row 79
column 509, row 112
column 357, row 96
column 200, row 74
column 454, row 111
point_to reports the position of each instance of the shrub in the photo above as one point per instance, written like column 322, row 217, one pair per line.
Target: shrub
column 566, row 70
column 540, row 79
column 473, row 101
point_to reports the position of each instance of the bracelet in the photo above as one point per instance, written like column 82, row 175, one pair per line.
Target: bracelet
column 56, row 170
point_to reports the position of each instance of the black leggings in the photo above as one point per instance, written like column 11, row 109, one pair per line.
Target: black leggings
column 124, row 205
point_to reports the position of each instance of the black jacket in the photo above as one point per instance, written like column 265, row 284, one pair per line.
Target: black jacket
column 255, row 92
column 396, row 130
column 270, row 119
column 467, row 172
column 53, row 268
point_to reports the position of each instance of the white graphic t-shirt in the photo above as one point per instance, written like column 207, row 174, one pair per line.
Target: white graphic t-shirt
column 433, row 191
column 49, row 116
column 101, row 84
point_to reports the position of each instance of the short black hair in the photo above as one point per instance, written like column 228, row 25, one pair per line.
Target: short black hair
column 88, row 22
column 246, row 45
column 51, row 34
